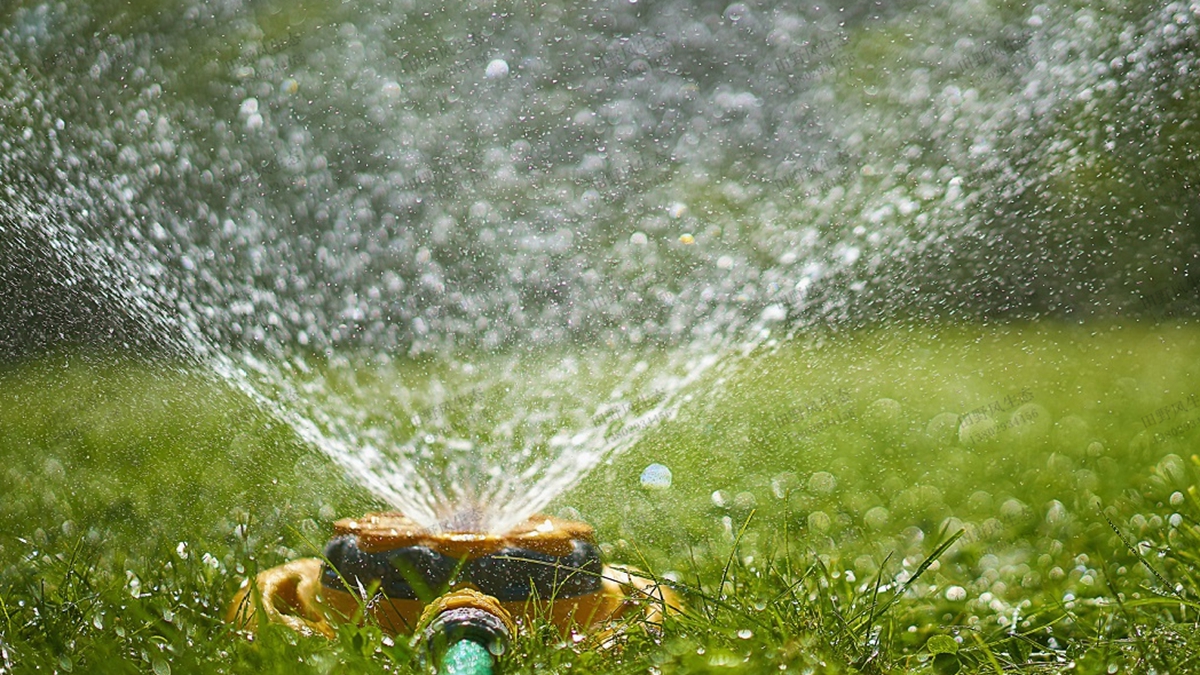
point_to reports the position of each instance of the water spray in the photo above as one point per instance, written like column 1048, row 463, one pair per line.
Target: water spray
column 462, row 596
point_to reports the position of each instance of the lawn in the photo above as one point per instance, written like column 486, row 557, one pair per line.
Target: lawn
column 901, row 499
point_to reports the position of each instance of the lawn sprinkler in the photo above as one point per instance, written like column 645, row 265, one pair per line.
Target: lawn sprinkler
column 462, row 595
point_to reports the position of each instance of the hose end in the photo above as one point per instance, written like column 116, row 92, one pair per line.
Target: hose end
column 465, row 632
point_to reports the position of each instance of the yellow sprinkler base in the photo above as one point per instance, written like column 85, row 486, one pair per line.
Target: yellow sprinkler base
column 288, row 594
column 544, row 569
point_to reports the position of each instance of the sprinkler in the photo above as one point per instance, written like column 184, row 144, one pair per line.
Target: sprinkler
column 463, row 595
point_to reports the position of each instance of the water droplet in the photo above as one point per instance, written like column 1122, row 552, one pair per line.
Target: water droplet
column 782, row 484
column 656, row 477
column 736, row 12
column 977, row 428
column 687, row 239
column 822, row 483
column 745, row 501
column 819, row 521
column 1012, row 509
column 745, row 633
column 884, row 411
column 956, row 594
column 942, row 427
column 876, row 517
column 496, row 68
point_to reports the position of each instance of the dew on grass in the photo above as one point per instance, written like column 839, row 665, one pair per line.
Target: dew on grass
column 1176, row 498
column 956, row 594
column 719, row 499
column 745, row 633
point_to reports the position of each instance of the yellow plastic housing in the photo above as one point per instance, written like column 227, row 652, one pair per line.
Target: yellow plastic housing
column 292, row 594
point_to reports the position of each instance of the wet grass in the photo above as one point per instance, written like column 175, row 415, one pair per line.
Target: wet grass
column 942, row 499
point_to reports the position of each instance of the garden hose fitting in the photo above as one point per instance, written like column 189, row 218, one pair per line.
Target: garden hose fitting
column 465, row 633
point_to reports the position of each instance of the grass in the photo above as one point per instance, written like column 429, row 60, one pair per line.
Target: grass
column 836, row 507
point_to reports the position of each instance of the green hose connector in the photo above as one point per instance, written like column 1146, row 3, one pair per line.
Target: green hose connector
column 465, row 633
column 467, row 657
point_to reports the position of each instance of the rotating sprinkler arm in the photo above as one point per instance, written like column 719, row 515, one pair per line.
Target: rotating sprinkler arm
column 465, row 632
